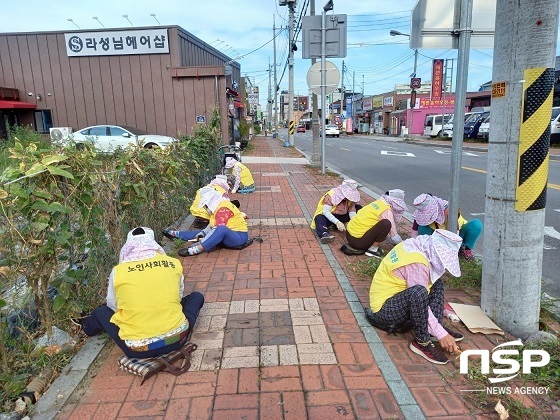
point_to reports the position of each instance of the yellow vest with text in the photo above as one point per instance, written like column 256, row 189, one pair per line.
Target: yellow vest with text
column 461, row 221
column 319, row 209
column 199, row 211
column 366, row 218
column 385, row 284
column 148, row 297
column 236, row 223
column 245, row 175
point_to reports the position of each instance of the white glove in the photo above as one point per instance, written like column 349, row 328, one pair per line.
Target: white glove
column 340, row 226
column 200, row 235
column 396, row 239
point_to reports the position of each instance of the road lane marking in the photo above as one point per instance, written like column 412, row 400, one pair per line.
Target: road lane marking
column 390, row 153
column 447, row 152
column 346, row 149
column 550, row 231
column 549, row 185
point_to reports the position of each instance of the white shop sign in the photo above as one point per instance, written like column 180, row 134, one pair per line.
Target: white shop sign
column 140, row 41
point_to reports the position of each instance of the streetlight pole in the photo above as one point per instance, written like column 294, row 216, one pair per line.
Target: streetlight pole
column 326, row 7
column 392, row 32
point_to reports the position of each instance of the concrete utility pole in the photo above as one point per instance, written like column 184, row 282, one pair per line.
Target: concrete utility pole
column 522, row 89
column 342, row 93
column 316, row 156
column 275, row 103
column 291, row 127
column 269, row 102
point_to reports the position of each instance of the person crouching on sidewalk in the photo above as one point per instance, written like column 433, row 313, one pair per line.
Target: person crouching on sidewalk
column 336, row 208
column 243, row 180
column 146, row 313
column 227, row 226
column 201, row 217
column 374, row 224
column 407, row 289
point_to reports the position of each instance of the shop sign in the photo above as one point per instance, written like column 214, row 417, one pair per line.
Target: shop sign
column 437, row 78
column 377, row 102
column 388, row 101
column 140, row 41
column 367, row 104
column 430, row 103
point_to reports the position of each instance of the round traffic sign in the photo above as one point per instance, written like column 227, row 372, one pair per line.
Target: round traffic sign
column 415, row 83
column 332, row 77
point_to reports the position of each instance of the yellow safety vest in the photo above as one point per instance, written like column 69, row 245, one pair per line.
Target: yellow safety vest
column 366, row 218
column 319, row 209
column 245, row 175
column 236, row 223
column 461, row 221
column 385, row 284
column 199, row 211
column 148, row 300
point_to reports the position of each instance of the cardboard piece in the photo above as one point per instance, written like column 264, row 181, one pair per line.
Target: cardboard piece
column 475, row 319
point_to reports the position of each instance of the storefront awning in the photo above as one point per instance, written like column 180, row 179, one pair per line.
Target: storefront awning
column 238, row 103
column 16, row 105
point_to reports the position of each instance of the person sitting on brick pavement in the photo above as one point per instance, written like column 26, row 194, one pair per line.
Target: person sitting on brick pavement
column 201, row 217
column 243, row 182
column 337, row 207
column 374, row 224
column 407, row 292
column 227, row 226
column 145, row 313
column 432, row 213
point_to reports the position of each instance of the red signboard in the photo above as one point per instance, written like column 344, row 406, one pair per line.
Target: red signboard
column 430, row 103
column 437, row 79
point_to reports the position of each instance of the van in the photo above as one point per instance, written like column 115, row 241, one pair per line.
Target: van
column 555, row 125
column 433, row 125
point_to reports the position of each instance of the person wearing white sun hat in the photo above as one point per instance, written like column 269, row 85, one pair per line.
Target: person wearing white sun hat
column 336, row 208
column 243, row 180
column 432, row 213
column 407, row 292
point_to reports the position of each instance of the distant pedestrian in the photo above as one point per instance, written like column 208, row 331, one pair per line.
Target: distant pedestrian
column 336, row 208
column 432, row 213
column 407, row 292
column 376, row 223
column 243, row 179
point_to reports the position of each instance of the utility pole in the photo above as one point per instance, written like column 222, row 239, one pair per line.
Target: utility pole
column 291, row 127
column 275, row 103
column 342, row 93
column 413, row 94
column 269, row 102
column 316, row 156
column 353, row 90
column 518, row 159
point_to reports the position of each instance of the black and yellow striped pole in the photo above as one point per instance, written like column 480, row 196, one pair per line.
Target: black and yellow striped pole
column 291, row 130
column 534, row 139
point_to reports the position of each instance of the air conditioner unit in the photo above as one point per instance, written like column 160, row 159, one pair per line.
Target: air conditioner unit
column 60, row 134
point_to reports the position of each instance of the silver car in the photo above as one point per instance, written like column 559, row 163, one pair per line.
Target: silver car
column 107, row 138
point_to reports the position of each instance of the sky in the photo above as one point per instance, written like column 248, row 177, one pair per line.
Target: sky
column 375, row 61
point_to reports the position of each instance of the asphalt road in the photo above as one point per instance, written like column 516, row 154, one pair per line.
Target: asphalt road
column 386, row 164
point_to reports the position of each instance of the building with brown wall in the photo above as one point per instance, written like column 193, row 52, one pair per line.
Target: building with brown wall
column 159, row 79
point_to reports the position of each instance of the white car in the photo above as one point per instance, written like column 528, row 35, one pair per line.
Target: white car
column 110, row 137
column 332, row 130
column 484, row 129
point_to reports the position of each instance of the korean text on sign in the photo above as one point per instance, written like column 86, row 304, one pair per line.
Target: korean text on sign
column 142, row 41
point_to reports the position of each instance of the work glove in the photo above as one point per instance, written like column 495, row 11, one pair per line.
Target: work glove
column 340, row 226
column 200, row 235
column 396, row 239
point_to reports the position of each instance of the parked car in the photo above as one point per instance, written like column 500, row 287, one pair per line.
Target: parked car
column 300, row 129
column 332, row 130
column 433, row 125
column 555, row 125
column 110, row 137
column 473, row 124
column 484, row 128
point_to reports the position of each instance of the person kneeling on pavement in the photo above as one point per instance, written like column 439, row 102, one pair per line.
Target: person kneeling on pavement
column 433, row 212
column 227, row 226
column 374, row 224
column 202, row 218
column 407, row 292
column 146, row 313
column 243, row 180
column 336, row 208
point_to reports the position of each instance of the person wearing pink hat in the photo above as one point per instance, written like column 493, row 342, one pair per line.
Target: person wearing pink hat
column 407, row 292
column 243, row 180
column 432, row 212
column 337, row 207
column 374, row 224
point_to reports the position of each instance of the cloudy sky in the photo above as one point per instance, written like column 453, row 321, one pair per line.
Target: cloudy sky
column 375, row 60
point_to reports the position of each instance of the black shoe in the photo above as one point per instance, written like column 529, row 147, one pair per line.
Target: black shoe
column 168, row 235
column 184, row 252
column 429, row 352
column 245, row 245
column 376, row 254
column 348, row 250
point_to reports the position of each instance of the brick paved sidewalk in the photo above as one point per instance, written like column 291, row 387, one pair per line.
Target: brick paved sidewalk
column 282, row 334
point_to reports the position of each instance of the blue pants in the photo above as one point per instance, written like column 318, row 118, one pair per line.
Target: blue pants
column 100, row 321
column 218, row 235
column 470, row 232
